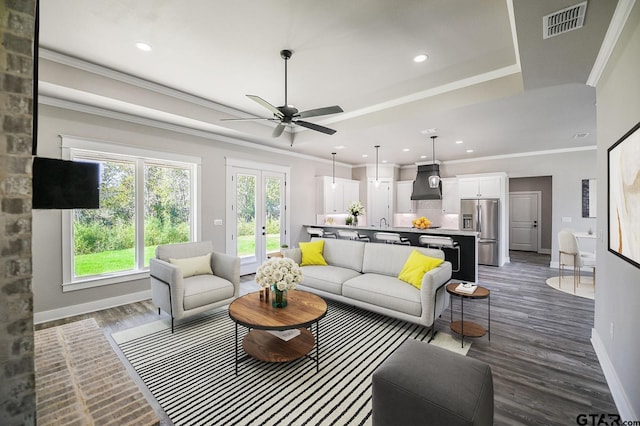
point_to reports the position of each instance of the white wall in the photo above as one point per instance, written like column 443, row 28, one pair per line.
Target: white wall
column 618, row 282
column 567, row 170
column 47, row 232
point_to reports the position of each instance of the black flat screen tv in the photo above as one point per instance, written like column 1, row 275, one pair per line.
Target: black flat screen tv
column 62, row 184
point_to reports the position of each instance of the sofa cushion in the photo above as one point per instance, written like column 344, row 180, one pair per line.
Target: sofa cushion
column 202, row 290
column 389, row 259
column 344, row 253
column 312, row 253
column 385, row 291
column 416, row 266
column 327, row 278
column 190, row 266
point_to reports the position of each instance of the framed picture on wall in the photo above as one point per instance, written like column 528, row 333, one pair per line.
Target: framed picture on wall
column 623, row 196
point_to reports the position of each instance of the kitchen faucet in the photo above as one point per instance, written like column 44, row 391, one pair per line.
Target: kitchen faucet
column 385, row 222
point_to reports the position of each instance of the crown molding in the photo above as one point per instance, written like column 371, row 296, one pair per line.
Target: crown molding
column 522, row 154
column 100, row 70
column 618, row 21
column 106, row 113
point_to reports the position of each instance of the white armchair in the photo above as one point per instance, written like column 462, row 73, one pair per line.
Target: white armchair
column 570, row 255
column 185, row 282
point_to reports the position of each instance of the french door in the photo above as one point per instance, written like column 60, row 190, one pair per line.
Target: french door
column 257, row 219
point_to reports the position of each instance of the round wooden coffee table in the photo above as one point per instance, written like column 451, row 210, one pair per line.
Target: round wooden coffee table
column 303, row 310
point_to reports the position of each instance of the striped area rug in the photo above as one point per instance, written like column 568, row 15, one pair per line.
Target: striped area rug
column 191, row 373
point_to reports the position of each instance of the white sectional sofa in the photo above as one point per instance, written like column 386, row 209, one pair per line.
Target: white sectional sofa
column 365, row 275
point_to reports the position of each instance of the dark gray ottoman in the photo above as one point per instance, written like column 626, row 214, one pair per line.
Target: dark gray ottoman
column 422, row 384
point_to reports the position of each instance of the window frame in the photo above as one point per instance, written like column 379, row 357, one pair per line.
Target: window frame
column 76, row 147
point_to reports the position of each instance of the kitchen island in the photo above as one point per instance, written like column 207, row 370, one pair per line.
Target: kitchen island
column 465, row 268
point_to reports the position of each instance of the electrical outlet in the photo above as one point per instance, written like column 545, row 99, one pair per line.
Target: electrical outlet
column 217, row 222
column 566, row 219
column 611, row 331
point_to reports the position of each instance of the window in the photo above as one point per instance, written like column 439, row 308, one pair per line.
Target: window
column 144, row 201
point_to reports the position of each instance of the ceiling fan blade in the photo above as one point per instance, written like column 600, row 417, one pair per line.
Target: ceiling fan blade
column 245, row 119
column 278, row 130
column 320, row 111
column 266, row 104
column 315, row 127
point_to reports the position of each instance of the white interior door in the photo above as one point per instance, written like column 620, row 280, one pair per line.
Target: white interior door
column 257, row 218
column 524, row 222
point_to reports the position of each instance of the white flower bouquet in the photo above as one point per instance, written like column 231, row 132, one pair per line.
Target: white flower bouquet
column 279, row 273
column 356, row 209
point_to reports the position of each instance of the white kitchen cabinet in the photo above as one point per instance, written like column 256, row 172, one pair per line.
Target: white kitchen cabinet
column 481, row 187
column 335, row 198
column 450, row 197
column 404, row 203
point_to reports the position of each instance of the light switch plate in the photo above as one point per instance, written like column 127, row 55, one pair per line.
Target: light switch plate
column 566, row 219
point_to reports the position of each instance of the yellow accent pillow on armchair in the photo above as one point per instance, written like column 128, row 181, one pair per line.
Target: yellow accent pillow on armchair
column 416, row 266
column 312, row 253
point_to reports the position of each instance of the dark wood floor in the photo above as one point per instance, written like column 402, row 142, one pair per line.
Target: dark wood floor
column 545, row 370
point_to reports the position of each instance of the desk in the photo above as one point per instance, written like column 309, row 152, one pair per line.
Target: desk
column 585, row 235
column 588, row 243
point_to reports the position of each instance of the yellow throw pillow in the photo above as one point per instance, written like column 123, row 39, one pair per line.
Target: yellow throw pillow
column 416, row 266
column 312, row 253
column 190, row 266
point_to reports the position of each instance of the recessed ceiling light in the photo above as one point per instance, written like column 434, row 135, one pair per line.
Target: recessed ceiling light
column 423, row 156
column 384, row 161
column 469, row 150
column 365, row 155
column 339, row 147
column 406, row 149
column 458, row 141
column 145, row 47
column 428, row 131
column 421, row 57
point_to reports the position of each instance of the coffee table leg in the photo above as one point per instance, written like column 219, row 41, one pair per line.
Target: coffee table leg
column 489, row 316
column 462, row 318
column 236, row 349
column 317, row 346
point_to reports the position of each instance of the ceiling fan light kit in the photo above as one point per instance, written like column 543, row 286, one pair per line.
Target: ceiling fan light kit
column 288, row 115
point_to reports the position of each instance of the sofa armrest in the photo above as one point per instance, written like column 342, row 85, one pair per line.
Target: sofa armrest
column 295, row 254
column 165, row 274
column 227, row 267
column 431, row 282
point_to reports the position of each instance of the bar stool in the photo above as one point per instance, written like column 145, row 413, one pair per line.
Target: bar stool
column 391, row 238
column 319, row 233
column 441, row 242
column 352, row 235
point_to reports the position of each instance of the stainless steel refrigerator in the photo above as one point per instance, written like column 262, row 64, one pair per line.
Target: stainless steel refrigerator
column 483, row 216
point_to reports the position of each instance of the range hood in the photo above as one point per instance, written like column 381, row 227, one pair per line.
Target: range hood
column 421, row 189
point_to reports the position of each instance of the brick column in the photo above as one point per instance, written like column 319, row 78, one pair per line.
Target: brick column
column 17, row 381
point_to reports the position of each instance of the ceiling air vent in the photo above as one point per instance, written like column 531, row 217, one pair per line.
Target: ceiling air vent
column 564, row 20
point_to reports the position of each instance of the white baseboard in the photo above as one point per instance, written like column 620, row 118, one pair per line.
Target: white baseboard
column 84, row 308
column 625, row 409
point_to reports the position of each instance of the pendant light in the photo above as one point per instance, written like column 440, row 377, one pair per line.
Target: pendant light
column 377, row 147
column 434, row 179
column 333, row 181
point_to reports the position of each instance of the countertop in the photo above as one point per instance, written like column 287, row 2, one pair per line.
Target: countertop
column 434, row 231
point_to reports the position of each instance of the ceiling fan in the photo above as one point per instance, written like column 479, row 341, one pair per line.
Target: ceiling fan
column 288, row 115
